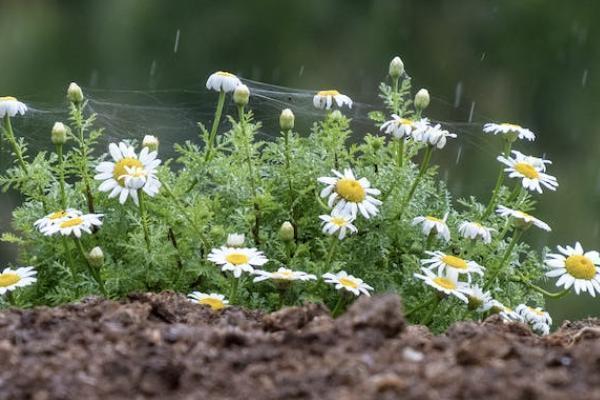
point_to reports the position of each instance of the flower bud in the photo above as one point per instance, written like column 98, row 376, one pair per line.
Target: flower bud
column 59, row 133
column 286, row 232
column 96, row 257
column 151, row 142
column 236, row 239
column 286, row 120
column 396, row 68
column 241, row 94
column 74, row 93
column 422, row 99
column 336, row 115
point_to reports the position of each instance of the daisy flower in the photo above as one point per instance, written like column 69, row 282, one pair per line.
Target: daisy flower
column 509, row 129
column 325, row 99
column 434, row 136
column 507, row 313
column 473, row 230
column 522, row 217
column 237, row 259
column 444, row 283
column 283, row 274
column 533, row 315
column 451, row 265
column 528, row 169
column 55, row 218
column 429, row 223
column 11, row 107
column 342, row 280
column 338, row 223
column 127, row 173
column 350, row 195
column 74, row 224
column 479, row 300
column 215, row 301
column 10, row 279
column 576, row 268
column 400, row 127
column 222, row 81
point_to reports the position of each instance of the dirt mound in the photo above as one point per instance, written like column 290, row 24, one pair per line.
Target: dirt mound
column 161, row 346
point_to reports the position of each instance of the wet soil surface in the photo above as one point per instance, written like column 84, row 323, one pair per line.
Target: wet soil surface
column 161, row 346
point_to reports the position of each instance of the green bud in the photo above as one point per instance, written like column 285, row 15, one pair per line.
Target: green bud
column 336, row 115
column 422, row 99
column 59, row 133
column 286, row 120
column 96, row 257
column 151, row 142
column 236, row 239
column 241, row 95
column 286, row 232
column 396, row 68
column 74, row 93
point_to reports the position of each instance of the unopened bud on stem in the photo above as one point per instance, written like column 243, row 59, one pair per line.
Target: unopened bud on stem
column 241, row 95
column 422, row 99
column 74, row 93
column 96, row 257
column 286, row 120
column 396, row 68
column 59, row 133
column 151, row 142
column 286, row 232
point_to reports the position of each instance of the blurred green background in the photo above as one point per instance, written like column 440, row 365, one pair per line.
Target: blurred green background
column 532, row 62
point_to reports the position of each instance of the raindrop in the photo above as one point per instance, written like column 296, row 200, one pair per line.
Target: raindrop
column 94, row 78
column 176, row 47
column 471, row 111
column 458, row 154
column 301, row 72
column 584, row 78
column 482, row 56
column 458, row 94
column 153, row 68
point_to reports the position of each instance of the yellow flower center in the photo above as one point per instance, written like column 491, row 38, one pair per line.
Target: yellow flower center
column 72, row 222
column 351, row 190
column 445, row 282
column 9, row 279
column 523, row 215
column 119, row 171
column 348, row 283
column 57, row 215
column 514, row 127
column 527, row 170
column 284, row 274
column 8, row 98
column 237, row 258
column 433, row 219
column 215, row 304
column 454, row 262
column 339, row 221
column 580, row 267
column 225, row 74
column 404, row 121
column 325, row 93
column 536, row 312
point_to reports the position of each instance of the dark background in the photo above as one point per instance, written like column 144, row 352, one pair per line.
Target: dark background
column 532, row 62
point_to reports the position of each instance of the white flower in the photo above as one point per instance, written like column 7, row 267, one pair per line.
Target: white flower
column 215, row 301
column 55, row 218
column 444, row 283
column 433, row 136
column 430, row 223
column 522, row 217
column 236, row 239
column 530, row 170
column 451, row 265
column 507, row 313
column 338, row 223
column 128, row 173
column 539, row 319
column 342, row 280
column 473, row 230
column 74, row 224
column 400, row 127
column 506, row 128
column 11, row 107
column 237, row 259
column 576, row 268
column 350, row 195
column 10, row 279
column 283, row 274
column 222, row 81
column 325, row 99
column 479, row 300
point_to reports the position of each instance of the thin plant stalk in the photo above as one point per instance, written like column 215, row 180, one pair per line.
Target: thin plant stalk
column 84, row 155
column 144, row 218
column 515, row 239
column 331, row 251
column 413, row 188
column 250, row 164
column 93, row 271
column 10, row 136
column 429, row 317
column 499, row 181
column 215, row 126
column 552, row 295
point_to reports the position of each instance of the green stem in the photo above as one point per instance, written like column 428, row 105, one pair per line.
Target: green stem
column 421, row 306
column 234, row 289
column 338, row 306
column 429, row 316
column 516, row 235
column 331, row 252
column 84, row 155
column 93, row 271
column 61, row 177
column 515, row 192
column 250, row 164
column 288, row 169
column 10, row 298
column 496, row 192
column 552, row 295
column 10, row 136
column 144, row 218
column 413, row 188
column 68, row 255
column 429, row 241
column 215, row 126
column 400, row 152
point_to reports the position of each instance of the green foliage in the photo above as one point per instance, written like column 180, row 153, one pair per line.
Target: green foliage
column 252, row 186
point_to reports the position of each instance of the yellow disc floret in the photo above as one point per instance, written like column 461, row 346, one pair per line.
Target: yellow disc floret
column 339, row 221
column 9, row 279
column 215, row 304
column 454, row 262
column 527, row 170
column 348, row 283
column 237, row 258
column 445, row 282
column 8, row 98
column 325, row 93
column 351, row 190
column 57, row 215
column 71, row 222
column 580, row 267
column 120, row 168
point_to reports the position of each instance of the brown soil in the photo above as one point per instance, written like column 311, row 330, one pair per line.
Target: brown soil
column 161, row 346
